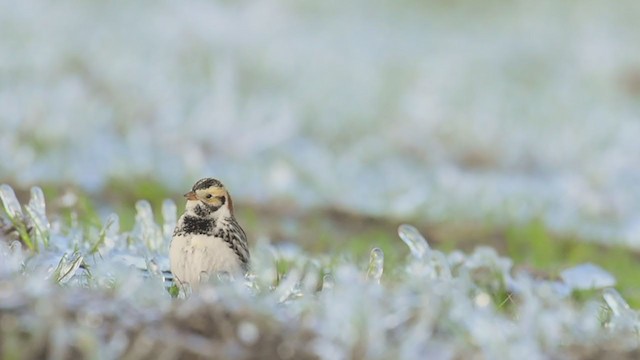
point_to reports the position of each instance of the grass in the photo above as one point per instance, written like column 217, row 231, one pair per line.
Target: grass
column 339, row 243
column 532, row 246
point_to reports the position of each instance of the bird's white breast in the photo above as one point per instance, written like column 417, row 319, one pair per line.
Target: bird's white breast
column 192, row 255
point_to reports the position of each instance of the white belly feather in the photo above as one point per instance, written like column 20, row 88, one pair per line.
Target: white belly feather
column 193, row 254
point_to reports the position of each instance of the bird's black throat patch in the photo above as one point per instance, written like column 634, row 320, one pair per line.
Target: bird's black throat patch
column 197, row 225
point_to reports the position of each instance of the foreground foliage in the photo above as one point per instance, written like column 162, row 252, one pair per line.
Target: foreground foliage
column 71, row 291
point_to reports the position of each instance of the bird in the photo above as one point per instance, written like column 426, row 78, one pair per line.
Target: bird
column 207, row 240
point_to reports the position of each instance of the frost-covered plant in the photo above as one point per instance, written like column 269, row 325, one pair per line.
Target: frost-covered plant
column 31, row 228
column 105, row 295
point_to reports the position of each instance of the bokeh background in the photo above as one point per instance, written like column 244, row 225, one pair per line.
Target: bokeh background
column 510, row 123
column 507, row 132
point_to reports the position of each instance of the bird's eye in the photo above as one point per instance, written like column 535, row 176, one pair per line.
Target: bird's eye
column 209, row 196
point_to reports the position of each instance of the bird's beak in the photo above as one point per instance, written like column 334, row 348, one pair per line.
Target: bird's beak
column 190, row 195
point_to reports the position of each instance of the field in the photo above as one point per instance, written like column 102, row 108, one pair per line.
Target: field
column 446, row 180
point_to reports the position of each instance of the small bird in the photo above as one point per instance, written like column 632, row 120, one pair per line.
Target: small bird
column 207, row 240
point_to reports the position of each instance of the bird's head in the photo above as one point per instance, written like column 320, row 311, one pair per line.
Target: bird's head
column 209, row 198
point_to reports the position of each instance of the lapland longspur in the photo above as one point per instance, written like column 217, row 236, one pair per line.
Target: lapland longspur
column 207, row 239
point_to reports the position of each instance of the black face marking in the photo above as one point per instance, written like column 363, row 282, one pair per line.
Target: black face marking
column 197, row 225
column 206, row 183
column 222, row 200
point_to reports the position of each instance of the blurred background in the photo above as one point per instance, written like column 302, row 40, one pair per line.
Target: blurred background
column 509, row 123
